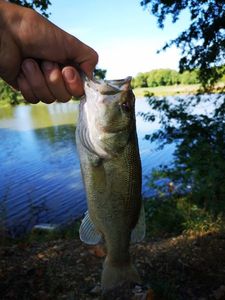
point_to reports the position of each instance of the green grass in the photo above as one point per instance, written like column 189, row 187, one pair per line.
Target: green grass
column 168, row 90
column 174, row 215
column 172, row 90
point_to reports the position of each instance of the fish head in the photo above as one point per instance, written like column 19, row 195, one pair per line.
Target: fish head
column 110, row 113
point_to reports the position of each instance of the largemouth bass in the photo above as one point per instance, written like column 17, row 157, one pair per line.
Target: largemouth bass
column 110, row 163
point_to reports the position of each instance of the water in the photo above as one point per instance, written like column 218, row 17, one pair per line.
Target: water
column 40, row 179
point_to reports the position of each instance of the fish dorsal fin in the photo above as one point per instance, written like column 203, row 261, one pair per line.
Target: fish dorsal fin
column 138, row 233
column 88, row 234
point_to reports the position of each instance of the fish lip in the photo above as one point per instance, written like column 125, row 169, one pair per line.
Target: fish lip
column 113, row 86
column 110, row 81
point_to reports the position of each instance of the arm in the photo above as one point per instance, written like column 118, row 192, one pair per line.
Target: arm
column 32, row 49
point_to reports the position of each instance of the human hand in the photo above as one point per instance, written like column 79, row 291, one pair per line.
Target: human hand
column 40, row 59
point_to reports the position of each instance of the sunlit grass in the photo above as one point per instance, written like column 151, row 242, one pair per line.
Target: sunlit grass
column 173, row 90
column 168, row 90
column 171, row 216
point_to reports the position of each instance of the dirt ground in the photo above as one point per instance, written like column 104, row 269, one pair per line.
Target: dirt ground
column 182, row 267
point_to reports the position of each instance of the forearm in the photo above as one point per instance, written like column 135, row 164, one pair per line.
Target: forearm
column 3, row 10
column 10, row 16
column 10, row 55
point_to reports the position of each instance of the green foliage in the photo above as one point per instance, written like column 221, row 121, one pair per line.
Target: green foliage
column 199, row 137
column 199, row 221
column 99, row 73
column 202, row 44
column 140, row 80
column 164, row 77
column 189, row 77
column 200, row 146
column 8, row 95
column 175, row 214
column 163, row 217
column 41, row 5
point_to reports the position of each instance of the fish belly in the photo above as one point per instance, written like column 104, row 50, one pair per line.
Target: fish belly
column 113, row 191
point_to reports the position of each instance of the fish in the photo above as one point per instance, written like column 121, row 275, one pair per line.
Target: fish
column 107, row 144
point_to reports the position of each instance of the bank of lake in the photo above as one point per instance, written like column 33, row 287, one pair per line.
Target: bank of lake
column 179, row 89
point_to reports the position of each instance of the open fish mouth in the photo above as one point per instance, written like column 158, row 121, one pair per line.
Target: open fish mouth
column 109, row 87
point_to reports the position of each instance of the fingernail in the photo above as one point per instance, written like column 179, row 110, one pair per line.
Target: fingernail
column 48, row 65
column 69, row 74
column 28, row 66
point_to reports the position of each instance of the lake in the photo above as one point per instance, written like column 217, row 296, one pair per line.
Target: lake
column 40, row 179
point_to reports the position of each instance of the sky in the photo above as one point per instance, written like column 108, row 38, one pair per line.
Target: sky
column 124, row 34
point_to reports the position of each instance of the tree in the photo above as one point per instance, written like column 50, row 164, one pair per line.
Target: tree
column 202, row 44
column 99, row 73
column 199, row 157
column 160, row 77
column 189, row 77
column 198, row 134
column 41, row 5
column 140, row 80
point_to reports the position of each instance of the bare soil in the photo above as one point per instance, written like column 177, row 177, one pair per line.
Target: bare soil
column 182, row 267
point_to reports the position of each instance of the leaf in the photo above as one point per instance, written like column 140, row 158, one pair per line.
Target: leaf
column 98, row 251
column 150, row 295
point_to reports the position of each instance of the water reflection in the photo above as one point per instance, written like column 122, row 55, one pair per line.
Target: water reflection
column 40, row 178
column 28, row 117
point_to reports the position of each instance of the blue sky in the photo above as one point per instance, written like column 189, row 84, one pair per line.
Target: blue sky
column 125, row 35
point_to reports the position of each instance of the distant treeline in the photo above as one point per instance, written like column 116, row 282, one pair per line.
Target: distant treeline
column 164, row 77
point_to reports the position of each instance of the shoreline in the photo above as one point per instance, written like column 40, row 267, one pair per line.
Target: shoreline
column 172, row 90
column 159, row 91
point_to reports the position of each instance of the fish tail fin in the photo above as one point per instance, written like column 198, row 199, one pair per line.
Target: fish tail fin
column 115, row 275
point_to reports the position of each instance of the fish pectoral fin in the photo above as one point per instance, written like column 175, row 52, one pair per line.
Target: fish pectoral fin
column 88, row 232
column 138, row 233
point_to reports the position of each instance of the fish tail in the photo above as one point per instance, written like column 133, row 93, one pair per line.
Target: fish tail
column 114, row 275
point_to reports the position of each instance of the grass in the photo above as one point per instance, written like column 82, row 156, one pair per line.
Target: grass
column 168, row 90
column 173, row 90
column 181, row 255
column 172, row 216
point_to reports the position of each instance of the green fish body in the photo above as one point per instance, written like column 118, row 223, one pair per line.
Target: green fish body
column 111, row 168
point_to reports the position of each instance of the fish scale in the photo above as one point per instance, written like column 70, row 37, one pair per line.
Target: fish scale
column 107, row 144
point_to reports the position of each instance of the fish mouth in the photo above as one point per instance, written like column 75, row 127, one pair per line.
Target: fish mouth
column 109, row 87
